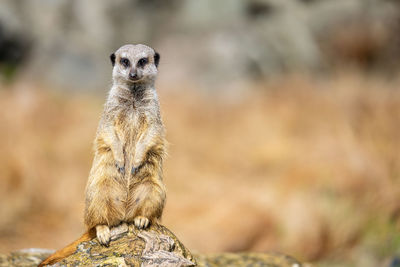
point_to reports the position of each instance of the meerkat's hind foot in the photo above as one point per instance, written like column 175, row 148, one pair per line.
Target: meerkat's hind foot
column 103, row 234
column 141, row 222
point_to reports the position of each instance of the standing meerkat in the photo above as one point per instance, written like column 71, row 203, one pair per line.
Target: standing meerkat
column 125, row 181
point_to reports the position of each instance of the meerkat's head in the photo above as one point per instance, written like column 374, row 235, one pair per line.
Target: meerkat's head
column 133, row 64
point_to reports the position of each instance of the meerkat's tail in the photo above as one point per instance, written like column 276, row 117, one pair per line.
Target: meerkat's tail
column 68, row 250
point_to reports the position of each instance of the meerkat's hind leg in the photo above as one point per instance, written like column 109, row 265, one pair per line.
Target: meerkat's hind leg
column 141, row 222
column 103, row 234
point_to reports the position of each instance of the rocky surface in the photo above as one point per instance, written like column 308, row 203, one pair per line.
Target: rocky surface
column 156, row 246
column 24, row 258
column 246, row 259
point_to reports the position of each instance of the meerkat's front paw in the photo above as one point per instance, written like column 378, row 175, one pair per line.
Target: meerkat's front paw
column 138, row 161
column 120, row 166
column 103, row 234
column 134, row 170
column 141, row 222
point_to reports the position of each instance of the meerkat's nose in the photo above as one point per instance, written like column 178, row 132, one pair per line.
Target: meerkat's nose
column 133, row 75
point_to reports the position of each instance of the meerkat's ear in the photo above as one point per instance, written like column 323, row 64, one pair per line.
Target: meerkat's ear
column 112, row 57
column 156, row 59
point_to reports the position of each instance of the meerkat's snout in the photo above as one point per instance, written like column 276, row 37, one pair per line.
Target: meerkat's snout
column 133, row 76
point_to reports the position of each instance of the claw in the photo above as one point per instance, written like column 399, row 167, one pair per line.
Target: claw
column 141, row 222
column 135, row 170
column 103, row 234
column 120, row 169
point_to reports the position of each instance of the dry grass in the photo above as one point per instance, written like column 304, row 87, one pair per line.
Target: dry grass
column 305, row 166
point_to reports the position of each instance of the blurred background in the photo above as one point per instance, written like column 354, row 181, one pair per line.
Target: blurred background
column 283, row 118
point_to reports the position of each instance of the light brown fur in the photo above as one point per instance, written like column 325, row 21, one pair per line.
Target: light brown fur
column 125, row 182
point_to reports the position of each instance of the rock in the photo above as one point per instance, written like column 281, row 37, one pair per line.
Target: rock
column 247, row 259
column 24, row 258
column 156, row 246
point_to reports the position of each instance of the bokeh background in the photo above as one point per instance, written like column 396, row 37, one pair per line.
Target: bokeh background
column 283, row 118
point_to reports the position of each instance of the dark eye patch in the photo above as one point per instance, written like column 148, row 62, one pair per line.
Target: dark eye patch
column 142, row 62
column 156, row 59
column 125, row 62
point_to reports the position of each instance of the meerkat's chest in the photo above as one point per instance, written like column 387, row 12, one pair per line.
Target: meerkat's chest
column 131, row 124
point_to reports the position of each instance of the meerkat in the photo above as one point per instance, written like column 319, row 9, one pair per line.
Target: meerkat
column 125, row 183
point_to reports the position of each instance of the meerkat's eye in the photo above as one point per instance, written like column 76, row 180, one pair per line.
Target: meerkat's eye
column 142, row 62
column 125, row 62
